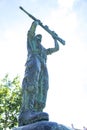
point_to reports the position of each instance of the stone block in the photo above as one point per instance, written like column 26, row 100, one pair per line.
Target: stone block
column 41, row 125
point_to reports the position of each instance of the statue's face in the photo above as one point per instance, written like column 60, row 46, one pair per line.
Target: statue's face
column 38, row 38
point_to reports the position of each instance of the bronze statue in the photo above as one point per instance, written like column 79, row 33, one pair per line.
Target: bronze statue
column 35, row 82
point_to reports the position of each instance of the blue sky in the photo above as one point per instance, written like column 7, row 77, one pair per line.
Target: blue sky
column 67, row 95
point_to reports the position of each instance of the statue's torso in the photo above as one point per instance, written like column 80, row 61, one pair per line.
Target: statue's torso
column 36, row 51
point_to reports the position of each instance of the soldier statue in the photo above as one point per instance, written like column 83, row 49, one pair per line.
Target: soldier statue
column 36, row 81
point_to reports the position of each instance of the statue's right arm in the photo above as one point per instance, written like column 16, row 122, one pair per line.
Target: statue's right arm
column 31, row 32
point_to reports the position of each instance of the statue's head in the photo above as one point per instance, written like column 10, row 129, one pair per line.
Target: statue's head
column 38, row 38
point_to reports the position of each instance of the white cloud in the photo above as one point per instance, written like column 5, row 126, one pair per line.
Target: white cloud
column 66, row 3
column 68, row 73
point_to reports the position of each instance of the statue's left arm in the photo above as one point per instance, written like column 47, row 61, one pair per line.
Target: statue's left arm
column 52, row 50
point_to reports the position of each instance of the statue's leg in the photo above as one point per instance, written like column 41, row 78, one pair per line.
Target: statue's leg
column 45, row 85
column 28, row 95
column 29, row 92
column 42, row 89
column 30, row 85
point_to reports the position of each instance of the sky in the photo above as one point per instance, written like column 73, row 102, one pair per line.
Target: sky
column 67, row 68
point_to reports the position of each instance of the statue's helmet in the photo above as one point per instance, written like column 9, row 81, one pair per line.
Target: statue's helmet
column 38, row 37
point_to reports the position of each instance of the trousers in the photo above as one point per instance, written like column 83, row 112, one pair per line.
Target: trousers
column 35, row 85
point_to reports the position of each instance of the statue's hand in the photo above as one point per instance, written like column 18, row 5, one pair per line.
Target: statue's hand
column 39, row 22
column 54, row 35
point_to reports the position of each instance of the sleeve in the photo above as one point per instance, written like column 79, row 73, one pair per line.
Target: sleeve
column 31, row 33
column 49, row 51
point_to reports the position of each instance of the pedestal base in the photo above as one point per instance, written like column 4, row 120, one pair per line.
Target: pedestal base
column 31, row 117
column 41, row 125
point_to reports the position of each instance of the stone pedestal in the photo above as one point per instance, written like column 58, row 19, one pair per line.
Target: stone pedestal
column 41, row 125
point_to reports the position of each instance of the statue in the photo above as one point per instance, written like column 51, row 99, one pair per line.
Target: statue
column 36, row 81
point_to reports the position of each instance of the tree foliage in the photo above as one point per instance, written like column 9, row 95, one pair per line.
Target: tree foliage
column 10, row 101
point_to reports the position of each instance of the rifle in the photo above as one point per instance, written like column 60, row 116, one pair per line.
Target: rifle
column 45, row 27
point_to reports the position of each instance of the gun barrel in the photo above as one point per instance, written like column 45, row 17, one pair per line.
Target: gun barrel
column 52, row 34
column 28, row 13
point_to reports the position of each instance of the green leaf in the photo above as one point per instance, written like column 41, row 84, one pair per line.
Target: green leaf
column 10, row 101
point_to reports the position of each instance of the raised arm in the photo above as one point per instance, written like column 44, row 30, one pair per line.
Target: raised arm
column 52, row 50
column 31, row 32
